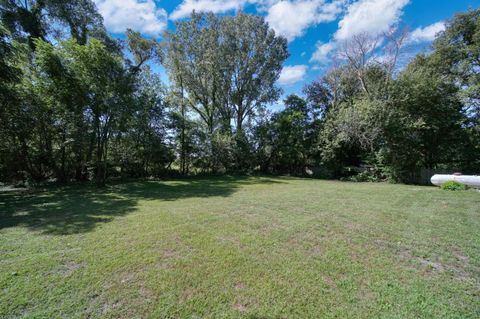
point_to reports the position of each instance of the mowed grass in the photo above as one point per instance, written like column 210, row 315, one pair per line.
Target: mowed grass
column 240, row 247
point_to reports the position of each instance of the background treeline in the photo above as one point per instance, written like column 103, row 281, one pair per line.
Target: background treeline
column 78, row 105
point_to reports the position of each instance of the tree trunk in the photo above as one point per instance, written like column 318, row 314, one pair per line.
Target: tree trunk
column 182, row 138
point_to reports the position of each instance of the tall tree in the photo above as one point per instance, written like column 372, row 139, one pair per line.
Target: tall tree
column 457, row 55
column 252, row 59
column 8, row 71
column 36, row 19
column 193, row 59
column 227, row 68
column 9, row 75
column 424, row 129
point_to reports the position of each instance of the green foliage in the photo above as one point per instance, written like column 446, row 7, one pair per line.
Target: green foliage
column 77, row 106
column 252, row 58
column 37, row 19
column 78, row 102
column 103, row 91
column 453, row 186
column 142, row 49
column 426, row 128
column 367, row 174
column 291, row 135
column 457, row 55
column 225, row 69
column 417, row 119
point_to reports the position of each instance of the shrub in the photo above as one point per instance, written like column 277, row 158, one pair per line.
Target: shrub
column 453, row 186
column 366, row 176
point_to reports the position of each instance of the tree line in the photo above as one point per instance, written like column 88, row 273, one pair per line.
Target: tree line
column 79, row 105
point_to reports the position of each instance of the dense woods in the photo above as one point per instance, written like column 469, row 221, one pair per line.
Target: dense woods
column 79, row 105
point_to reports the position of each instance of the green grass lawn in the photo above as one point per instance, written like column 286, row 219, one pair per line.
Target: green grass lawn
column 256, row 247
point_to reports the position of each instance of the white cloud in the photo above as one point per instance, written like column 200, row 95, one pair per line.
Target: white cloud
column 289, row 18
column 292, row 74
column 330, row 11
column 426, row 34
column 370, row 16
column 140, row 15
column 322, row 54
column 216, row 6
column 292, row 18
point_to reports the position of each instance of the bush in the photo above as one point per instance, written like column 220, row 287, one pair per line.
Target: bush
column 453, row 186
column 370, row 174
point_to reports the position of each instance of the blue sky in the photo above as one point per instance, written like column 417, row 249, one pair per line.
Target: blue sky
column 314, row 28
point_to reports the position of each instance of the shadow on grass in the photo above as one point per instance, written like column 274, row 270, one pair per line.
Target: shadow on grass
column 78, row 209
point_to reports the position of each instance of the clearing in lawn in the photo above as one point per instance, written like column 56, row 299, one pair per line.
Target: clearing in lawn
column 227, row 247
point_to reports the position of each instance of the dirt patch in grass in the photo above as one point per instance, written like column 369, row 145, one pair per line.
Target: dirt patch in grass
column 187, row 294
column 365, row 295
column 432, row 264
column 70, row 267
column 316, row 250
column 67, row 269
column 110, row 301
column 230, row 240
column 239, row 286
column 240, row 307
column 245, row 303
column 169, row 253
column 330, row 282
column 435, row 265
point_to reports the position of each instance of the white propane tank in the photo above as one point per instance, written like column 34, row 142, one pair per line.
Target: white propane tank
column 469, row 180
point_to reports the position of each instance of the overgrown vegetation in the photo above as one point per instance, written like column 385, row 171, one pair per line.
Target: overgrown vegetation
column 453, row 186
column 78, row 105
